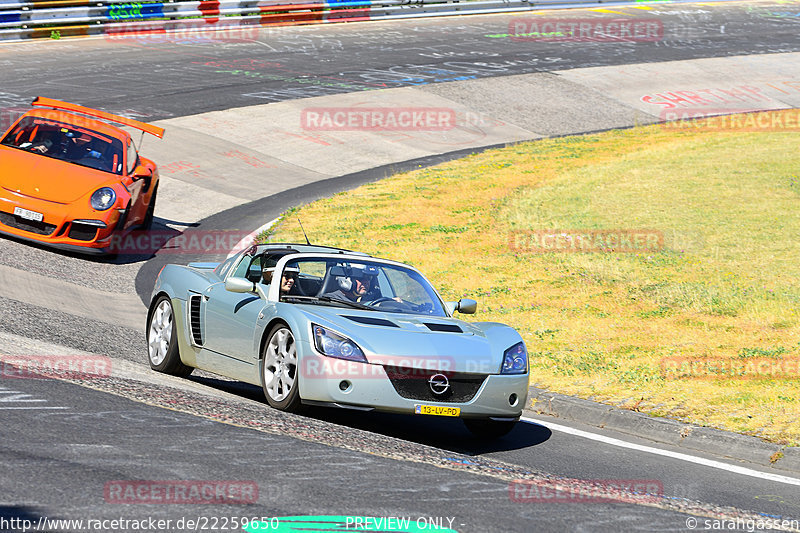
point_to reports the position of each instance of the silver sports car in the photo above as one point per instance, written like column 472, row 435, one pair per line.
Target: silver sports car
column 325, row 326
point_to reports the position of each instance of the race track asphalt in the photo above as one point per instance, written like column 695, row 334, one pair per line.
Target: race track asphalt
column 332, row 462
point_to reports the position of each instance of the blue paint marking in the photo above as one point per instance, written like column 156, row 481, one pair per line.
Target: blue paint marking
column 135, row 11
column 347, row 3
column 10, row 17
column 462, row 461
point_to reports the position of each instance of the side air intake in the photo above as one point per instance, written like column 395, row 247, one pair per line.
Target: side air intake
column 194, row 319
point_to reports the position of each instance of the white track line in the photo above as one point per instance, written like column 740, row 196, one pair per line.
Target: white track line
column 675, row 455
column 32, row 407
column 247, row 241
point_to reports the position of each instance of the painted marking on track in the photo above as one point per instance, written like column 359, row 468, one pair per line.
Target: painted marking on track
column 33, row 407
column 601, row 10
column 17, row 397
column 666, row 453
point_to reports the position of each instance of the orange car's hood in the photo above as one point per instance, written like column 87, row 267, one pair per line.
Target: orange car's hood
column 47, row 178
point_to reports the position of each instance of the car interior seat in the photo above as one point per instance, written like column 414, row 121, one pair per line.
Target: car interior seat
column 95, row 155
column 332, row 280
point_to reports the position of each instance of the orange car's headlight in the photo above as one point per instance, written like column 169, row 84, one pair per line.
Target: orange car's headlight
column 103, row 198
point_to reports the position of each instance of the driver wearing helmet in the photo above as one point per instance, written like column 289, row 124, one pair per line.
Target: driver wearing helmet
column 356, row 284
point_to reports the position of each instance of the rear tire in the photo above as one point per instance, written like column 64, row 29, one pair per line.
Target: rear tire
column 279, row 375
column 162, row 340
column 488, row 429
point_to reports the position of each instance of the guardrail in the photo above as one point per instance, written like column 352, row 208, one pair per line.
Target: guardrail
column 20, row 19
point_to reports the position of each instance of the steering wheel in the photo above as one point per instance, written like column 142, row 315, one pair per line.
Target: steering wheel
column 425, row 308
column 299, row 287
column 383, row 299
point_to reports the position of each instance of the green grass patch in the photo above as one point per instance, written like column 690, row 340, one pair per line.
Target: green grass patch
column 724, row 284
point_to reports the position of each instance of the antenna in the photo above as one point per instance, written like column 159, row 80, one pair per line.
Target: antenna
column 304, row 231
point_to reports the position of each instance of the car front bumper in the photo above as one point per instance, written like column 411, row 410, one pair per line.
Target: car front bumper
column 362, row 385
column 59, row 227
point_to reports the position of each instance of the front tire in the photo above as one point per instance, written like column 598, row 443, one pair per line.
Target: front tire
column 488, row 429
column 279, row 376
column 162, row 340
column 147, row 223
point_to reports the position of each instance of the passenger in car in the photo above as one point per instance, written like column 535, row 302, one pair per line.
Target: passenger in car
column 94, row 156
column 288, row 279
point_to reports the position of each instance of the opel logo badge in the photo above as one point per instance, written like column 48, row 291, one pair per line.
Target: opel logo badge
column 439, row 384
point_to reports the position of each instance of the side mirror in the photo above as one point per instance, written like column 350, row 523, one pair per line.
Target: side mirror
column 243, row 285
column 239, row 285
column 467, row 306
column 142, row 172
column 464, row 305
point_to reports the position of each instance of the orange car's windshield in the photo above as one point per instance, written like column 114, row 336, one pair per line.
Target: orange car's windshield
column 66, row 142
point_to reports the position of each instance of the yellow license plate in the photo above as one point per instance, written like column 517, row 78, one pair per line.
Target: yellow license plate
column 436, row 410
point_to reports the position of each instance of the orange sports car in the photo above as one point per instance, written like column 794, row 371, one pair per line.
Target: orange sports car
column 71, row 181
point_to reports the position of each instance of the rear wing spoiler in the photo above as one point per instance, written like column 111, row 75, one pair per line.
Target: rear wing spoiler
column 65, row 106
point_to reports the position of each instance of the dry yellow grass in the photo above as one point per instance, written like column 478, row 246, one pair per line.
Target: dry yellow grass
column 600, row 325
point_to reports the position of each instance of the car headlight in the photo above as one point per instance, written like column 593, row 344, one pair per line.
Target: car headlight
column 103, row 198
column 515, row 360
column 332, row 344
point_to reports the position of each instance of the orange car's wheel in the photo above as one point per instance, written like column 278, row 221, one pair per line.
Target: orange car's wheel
column 124, row 218
column 147, row 223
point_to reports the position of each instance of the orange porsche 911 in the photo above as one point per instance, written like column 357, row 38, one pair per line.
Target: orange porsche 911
column 73, row 182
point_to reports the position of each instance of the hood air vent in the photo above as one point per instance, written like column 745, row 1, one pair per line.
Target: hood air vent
column 447, row 328
column 371, row 321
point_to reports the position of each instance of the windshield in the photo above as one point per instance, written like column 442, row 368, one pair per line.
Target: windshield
column 65, row 142
column 362, row 284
